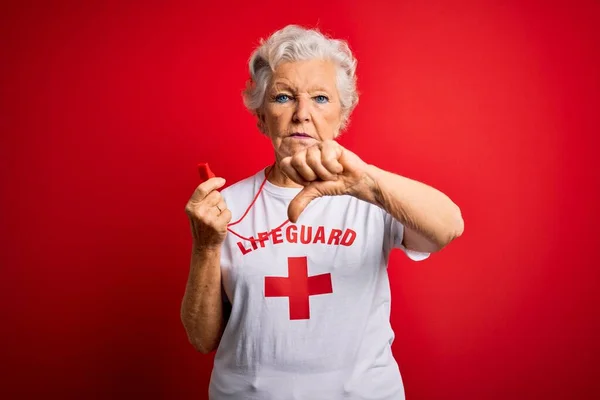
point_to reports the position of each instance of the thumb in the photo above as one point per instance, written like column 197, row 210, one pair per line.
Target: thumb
column 301, row 201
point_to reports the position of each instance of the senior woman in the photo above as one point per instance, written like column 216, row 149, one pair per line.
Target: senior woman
column 294, row 295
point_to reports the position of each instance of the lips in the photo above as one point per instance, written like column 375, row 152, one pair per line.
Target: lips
column 299, row 134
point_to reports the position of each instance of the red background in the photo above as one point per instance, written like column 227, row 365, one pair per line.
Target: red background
column 106, row 108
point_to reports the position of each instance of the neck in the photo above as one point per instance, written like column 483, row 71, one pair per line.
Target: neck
column 278, row 178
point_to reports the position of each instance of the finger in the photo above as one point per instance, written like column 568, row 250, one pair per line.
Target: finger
column 313, row 159
column 331, row 152
column 207, row 187
column 212, row 199
column 301, row 201
column 206, row 208
column 291, row 172
column 215, row 211
column 216, row 206
column 220, row 206
column 224, row 217
column 298, row 162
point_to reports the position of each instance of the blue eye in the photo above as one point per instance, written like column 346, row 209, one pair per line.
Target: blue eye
column 282, row 98
column 321, row 99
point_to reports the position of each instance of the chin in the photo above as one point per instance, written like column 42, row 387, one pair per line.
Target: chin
column 289, row 151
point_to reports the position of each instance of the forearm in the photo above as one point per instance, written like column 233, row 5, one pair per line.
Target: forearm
column 419, row 207
column 201, row 307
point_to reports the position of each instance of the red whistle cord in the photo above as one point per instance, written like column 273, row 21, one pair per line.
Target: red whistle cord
column 206, row 173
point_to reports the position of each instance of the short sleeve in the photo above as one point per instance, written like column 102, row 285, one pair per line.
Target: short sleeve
column 395, row 235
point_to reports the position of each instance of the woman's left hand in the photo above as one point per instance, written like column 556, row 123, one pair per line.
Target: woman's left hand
column 325, row 169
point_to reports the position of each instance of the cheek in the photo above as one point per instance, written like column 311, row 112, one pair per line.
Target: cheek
column 331, row 117
column 274, row 116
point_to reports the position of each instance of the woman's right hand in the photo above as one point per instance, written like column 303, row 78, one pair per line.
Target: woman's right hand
column 208, row 215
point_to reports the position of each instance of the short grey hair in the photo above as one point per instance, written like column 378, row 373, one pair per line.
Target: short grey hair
column 296, row 43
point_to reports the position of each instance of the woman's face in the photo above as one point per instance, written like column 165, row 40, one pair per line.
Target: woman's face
column 302, row 106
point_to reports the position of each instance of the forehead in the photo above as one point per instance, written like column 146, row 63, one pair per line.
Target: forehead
column 306, row 75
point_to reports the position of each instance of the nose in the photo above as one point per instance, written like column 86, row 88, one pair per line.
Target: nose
column 302, row 112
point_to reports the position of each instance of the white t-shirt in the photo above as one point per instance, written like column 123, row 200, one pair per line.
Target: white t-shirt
column 310, row 316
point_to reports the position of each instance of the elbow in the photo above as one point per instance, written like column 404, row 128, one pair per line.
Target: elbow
column 459, row 224
column 456, row 226
column 198, row 341
column 202, row 348
column 201, row 345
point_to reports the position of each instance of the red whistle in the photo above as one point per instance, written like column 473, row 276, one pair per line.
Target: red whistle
column 205, row 172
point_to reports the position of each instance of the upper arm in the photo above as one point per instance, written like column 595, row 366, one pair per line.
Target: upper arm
column 399, row 237
column 412, row 240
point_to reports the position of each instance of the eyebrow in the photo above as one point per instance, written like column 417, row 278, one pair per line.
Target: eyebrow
column 282, row 85
column 319, row 89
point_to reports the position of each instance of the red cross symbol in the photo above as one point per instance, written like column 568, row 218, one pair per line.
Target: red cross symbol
column 298, row 287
